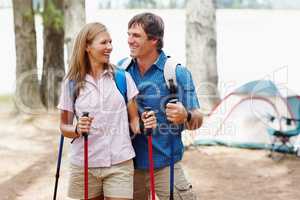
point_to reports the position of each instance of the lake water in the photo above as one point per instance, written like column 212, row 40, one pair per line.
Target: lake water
column 251, row 44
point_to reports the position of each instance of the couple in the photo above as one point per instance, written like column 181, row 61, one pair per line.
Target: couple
column 113, row 173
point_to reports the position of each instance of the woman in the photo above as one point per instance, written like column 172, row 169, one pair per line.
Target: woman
column 110, row 151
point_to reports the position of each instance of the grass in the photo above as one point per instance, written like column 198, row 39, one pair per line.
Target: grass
column 6, row 103
column 6, row 98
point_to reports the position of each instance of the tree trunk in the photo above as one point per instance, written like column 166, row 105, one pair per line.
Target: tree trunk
column 201, row 50
column 53, row 60
column 27, row 95
column 74, row 21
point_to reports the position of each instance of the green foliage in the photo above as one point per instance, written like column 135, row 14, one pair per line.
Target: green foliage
column 137, row 4
column 141, row 4
column 28, row 15
column 253, row 4
column 53, row 16
column 237, row 3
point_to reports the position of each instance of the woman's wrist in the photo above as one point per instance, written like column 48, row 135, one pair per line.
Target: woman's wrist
column 76, row 131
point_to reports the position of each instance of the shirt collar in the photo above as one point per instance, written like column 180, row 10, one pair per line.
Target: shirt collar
column 160, row 61
column 107, row 72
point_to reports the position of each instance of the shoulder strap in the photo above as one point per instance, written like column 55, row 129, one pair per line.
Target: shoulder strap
column 169, row 69
column 170, row 72
column 120, row 79
column 73, row 93
column 72, row 90
column 124, row 63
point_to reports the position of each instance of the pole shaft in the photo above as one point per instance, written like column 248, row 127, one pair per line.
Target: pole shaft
column 86, row 167
column 151, row 168
column 59, row 158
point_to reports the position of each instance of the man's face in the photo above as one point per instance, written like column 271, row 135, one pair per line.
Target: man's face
column 138, row 42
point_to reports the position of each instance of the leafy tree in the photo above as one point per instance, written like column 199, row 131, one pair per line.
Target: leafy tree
column 53, row 59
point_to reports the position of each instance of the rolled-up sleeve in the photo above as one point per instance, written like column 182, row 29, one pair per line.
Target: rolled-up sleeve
column 132, row 90
column 186, row 87
column 65, row 100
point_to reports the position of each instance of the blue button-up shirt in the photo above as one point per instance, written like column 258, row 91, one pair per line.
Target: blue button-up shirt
column 154, row 92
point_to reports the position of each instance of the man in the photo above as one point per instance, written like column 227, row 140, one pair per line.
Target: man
column 145, row 39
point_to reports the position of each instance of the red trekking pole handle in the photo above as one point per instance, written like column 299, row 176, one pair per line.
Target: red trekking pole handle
column 149, row 132
column 86, row 165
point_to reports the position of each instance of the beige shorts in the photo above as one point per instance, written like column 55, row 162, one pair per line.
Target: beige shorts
column 182, row 188
column 115, row 181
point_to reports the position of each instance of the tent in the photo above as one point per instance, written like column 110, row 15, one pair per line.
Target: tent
column 242, row 118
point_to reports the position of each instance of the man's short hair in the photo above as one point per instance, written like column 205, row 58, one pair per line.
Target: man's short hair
column 152, row 24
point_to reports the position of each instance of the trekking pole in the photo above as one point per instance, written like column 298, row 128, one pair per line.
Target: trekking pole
column 58, row 165
column 86, row 165
column 171, row 139
column 149, row 132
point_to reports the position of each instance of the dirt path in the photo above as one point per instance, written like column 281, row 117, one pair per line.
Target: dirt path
column 234, row 174
column 28, row 152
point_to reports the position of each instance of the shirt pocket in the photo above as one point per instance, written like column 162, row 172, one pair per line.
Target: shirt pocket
column 88, row 100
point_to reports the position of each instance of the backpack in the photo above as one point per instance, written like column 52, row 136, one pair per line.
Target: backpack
column 169, row 71
column 120, row 80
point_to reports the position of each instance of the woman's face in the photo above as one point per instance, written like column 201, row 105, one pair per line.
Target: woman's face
column 100, row 48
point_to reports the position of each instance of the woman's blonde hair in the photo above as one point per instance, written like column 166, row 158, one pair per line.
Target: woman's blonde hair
column 79, row 63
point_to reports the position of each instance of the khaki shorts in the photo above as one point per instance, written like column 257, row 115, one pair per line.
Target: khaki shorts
column 182, row 188
column 115, row 181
